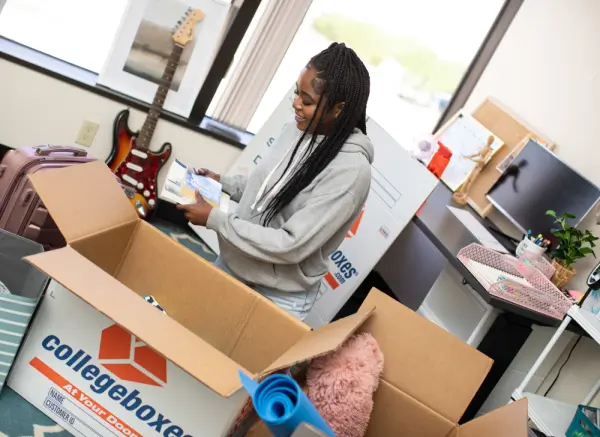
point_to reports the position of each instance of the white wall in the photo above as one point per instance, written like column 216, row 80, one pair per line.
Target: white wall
column 546, row 70
column 36, row 109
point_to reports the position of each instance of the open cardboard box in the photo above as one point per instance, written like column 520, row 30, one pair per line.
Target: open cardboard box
column 95, row 356
column 428, row 381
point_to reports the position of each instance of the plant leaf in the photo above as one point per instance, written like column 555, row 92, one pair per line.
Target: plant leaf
column 560, row 234
column 574, row 243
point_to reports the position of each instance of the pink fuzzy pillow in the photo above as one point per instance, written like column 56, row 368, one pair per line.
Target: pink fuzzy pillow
column 341, row 385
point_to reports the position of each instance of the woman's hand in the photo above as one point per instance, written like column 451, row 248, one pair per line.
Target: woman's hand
column 197, row 213
column 208, row 173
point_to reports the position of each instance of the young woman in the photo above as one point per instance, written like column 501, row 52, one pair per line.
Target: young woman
column 300, row 201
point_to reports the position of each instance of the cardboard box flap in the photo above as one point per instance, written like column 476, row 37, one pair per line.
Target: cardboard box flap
column 162, row 333
column 83, row 199
column 508, row 421
column 424, row 361
column 320, row 341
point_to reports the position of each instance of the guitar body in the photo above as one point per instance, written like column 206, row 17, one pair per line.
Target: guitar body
column 131, row 159
column 137, row 169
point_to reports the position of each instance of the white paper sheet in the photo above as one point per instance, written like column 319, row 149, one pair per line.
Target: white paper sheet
column 464, row 137
column 180, row 186
column 477, row 229
column 488, row 276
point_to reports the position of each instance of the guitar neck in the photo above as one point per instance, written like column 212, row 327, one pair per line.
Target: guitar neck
column 147, row 131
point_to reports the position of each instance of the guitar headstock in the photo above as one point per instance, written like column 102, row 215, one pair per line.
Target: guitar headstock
column 184, row 31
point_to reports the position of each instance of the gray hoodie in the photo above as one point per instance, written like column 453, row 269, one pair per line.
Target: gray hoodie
column 287, row 260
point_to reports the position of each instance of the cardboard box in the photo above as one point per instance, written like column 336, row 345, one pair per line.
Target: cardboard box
column 429, row 379
column 101, row 361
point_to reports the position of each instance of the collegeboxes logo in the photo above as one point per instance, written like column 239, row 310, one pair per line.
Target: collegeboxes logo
column 106, row 394
column 344, row 269
column 131, row 359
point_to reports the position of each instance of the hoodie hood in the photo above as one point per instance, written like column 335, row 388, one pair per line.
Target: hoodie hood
column 358, row 142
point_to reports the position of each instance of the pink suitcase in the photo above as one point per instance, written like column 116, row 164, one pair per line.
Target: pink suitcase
column 21, row 211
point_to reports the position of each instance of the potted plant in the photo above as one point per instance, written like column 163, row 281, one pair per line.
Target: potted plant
column 573, row 244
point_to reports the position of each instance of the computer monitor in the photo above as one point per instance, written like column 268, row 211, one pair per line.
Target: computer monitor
column 536, row 181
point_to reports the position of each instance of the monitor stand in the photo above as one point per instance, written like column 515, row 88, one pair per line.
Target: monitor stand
column 509, row 243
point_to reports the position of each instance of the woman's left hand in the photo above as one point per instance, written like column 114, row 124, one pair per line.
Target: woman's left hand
column 197, row 213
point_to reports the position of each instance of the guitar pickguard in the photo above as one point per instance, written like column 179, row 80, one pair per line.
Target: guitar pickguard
column 138, row 170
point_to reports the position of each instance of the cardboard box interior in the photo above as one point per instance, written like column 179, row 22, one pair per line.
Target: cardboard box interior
column 113, row 258
column 429, row 378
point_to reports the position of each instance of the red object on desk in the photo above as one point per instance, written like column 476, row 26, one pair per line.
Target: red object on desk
column 438, row 163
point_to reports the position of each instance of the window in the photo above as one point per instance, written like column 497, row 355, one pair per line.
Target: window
column 416, row 57
column 417, row 53
column 82, row 33
column 273, row 29
column 79, row 32
column 220, row 94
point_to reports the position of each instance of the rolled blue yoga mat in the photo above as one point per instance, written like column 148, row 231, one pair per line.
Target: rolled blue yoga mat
column 282, row 405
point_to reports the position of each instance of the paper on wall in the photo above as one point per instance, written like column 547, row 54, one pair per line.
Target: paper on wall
column 464, row 136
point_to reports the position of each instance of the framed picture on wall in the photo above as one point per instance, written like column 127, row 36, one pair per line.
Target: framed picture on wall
column 144, row 43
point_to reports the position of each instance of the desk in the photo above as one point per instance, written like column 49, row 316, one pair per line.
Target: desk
column 449, row 236
column 511, row 329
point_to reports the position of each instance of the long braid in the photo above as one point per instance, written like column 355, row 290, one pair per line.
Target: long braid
column 340, row 77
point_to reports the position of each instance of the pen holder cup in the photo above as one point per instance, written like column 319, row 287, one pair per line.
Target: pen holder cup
column 529, row 249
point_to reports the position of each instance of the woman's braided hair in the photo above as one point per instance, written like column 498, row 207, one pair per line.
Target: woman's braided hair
column 340, row 77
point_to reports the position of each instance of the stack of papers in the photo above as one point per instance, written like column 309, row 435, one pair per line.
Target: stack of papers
column 488, row 276
column 182, row 183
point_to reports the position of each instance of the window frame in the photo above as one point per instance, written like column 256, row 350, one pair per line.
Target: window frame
column 14, row 52
column 243, row 113
column 198, row 121
column 252, row 76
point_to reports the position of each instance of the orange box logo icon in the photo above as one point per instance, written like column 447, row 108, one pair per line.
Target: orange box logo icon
column 354, row 228
column 131, row 359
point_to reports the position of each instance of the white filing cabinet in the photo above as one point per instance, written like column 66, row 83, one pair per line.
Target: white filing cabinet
column 457, row 308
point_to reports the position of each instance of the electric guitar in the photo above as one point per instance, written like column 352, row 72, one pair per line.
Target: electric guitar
column 130, row 159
